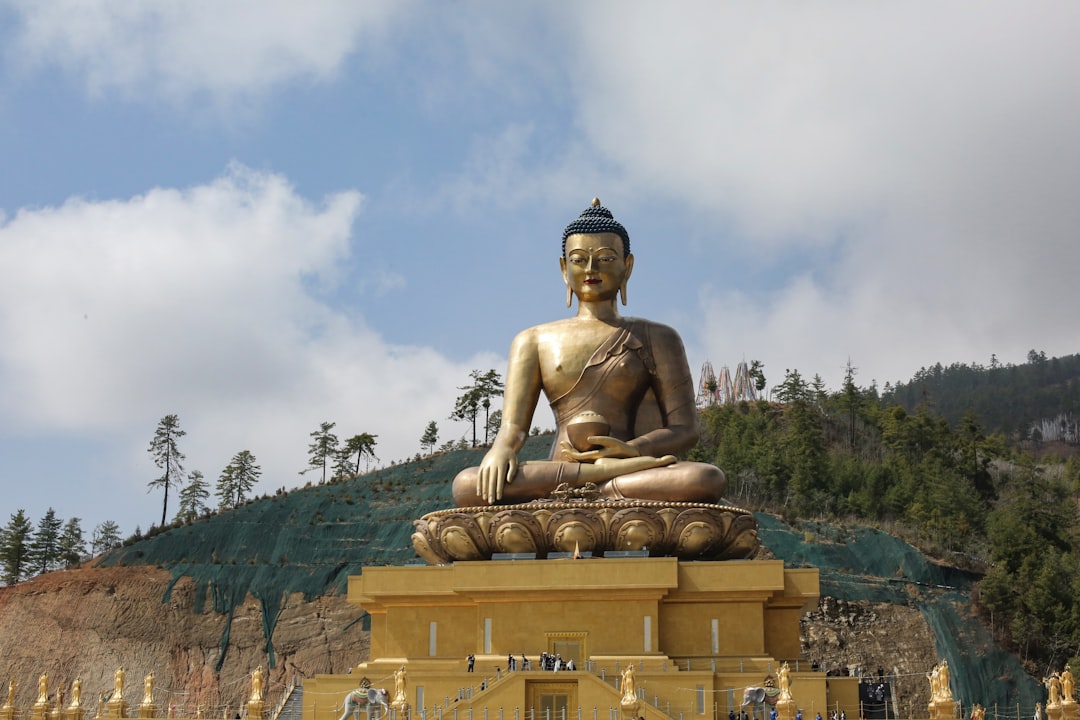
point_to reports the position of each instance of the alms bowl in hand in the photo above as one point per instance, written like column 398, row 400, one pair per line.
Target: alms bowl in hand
column 584, row 426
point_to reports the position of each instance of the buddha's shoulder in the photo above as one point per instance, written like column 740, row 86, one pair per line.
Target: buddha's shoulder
column 555, row 326
column 653, row 328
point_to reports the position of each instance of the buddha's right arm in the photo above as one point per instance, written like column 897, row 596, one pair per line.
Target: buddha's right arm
column 520, row 395
column 521, row 391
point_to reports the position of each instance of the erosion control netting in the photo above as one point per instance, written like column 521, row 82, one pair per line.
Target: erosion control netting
column 862, row 564
column 308, row 540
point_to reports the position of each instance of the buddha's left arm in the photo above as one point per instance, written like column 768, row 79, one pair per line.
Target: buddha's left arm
column 674, row 390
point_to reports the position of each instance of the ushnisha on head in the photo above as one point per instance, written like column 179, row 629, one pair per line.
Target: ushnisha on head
column 596, row 219
column 596, row 260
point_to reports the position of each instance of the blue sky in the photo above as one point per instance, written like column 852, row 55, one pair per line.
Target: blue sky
column 261, row 216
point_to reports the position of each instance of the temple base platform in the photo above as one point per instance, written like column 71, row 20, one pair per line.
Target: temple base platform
column 697, row 634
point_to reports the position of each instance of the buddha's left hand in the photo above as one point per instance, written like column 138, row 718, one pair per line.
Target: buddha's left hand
column 610, row 447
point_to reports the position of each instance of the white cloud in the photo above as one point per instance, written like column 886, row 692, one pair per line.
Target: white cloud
column 180, row 49
column 206, row 302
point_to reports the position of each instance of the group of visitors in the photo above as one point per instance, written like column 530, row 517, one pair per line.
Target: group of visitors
column 552, row 662
column 555, row 662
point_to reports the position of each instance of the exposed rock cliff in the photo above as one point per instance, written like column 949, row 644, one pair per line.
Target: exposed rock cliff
column 86, row 623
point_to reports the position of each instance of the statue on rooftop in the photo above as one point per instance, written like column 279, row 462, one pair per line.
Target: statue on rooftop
column 628, row 376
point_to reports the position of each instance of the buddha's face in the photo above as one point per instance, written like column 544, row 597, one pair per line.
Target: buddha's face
column 594, row 266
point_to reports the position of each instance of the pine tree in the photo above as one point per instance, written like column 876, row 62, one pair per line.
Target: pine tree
column 167, row 456
column 72, row 543
column 485, row 386
column 193, row 497
column 430, row 437
column 852, row 399
column 359, row 446
column 44, row 546
column 323, row 449
column 237, row 479
column 106, row 536
column 14, row 548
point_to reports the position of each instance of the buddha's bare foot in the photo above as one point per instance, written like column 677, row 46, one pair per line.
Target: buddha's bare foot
column 608, row 468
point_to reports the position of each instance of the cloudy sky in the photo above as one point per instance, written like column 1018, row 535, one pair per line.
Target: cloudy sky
column 264, row 215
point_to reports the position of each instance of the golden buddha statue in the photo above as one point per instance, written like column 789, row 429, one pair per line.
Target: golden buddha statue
column 629, row 376
column 624, row 407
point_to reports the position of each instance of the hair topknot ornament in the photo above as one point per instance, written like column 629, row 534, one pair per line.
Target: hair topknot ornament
column 597, row 219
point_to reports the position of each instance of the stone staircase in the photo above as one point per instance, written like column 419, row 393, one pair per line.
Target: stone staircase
column 291, row 706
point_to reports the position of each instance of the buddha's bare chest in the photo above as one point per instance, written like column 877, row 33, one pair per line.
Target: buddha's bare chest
column 565, row 351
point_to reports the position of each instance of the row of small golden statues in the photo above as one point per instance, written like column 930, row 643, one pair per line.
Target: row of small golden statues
column 111, row 704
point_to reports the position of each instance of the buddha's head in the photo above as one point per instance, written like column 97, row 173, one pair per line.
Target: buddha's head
column 596, row 219
column 596, row 260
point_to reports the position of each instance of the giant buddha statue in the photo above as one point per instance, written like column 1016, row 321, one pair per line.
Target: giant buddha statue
column 626, row 373
column 624, row 405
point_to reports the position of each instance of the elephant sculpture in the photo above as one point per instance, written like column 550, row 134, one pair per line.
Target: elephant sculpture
column 362, row 698
column 757, row 697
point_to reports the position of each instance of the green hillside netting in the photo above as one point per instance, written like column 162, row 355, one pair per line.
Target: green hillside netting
column 862, row 564
column 311, row 540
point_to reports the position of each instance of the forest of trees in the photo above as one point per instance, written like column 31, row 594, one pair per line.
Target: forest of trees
column 923, row 462
column 27, row 550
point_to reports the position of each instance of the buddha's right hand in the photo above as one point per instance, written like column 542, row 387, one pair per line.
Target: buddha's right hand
column 497, row 470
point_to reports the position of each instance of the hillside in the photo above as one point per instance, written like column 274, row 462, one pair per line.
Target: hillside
column 203, row 604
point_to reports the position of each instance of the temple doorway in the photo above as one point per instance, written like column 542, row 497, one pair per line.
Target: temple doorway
column 552, row 700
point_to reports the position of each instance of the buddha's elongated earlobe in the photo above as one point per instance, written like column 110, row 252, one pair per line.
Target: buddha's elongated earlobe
column 569, row 295
column 622, row 292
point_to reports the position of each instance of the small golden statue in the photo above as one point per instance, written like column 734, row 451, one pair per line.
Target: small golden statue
column 400, row 681
column 1053, row 690
column 148, row 689
column 1067, row 688
column 257, row 685
column 978, row 713
column 629, row 692
column 41, row 707
column 117, row 706
column 43, row 689
column 629, row 702
column 942, row 705
column 784, row 678
column 256, row 704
